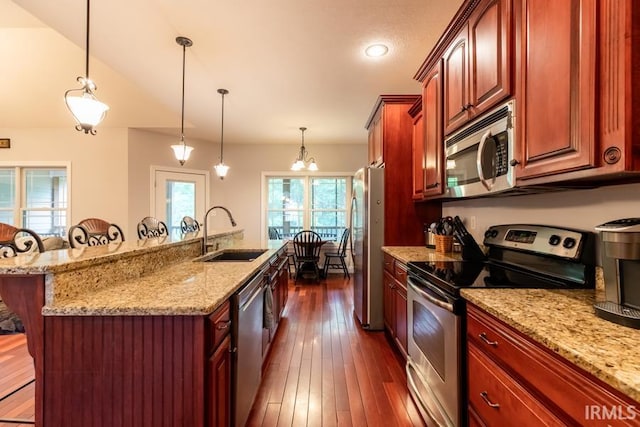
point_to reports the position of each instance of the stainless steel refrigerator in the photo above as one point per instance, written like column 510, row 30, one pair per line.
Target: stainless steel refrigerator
column 367, row 231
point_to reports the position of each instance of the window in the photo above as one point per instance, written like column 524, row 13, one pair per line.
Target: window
column 317, row 203
column 35, row 198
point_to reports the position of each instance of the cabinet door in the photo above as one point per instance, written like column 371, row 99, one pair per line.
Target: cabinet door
column 401, row 318
column 456, row 82
column 375, row 141
column 417, row 145
column 433, row 140
column 219, row 382
column 389, row 303
column 489, row 54
column 557, row 87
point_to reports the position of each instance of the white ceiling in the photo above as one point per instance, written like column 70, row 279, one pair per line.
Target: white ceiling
column 286, row 63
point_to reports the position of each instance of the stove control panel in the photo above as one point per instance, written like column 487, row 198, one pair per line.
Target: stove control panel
column 541, row 239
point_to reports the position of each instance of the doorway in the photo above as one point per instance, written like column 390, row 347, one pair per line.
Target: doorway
column 177, row 193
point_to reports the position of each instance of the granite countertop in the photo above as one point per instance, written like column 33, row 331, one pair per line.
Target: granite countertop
column 186, row 288
column 419, row 253
column 61, row 260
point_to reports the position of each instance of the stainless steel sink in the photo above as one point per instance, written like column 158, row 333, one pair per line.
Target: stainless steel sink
column 233, row 255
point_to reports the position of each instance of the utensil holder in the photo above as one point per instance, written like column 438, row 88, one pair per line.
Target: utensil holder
column 444, row 243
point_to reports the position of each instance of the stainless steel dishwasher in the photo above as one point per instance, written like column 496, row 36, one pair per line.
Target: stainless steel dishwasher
column 249, row 302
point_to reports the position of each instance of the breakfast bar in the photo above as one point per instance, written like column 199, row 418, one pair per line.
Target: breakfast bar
column 129, row 331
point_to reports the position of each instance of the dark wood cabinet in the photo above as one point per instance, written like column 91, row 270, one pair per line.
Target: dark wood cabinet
column 490, row 55
column 556, row 98
column 433, row 139
column 395, row 301
column 477, row 63
column 404, row 219
column 418, row 150
column 456, row 82
column 376, row 141
column 530, row 384
column 219, row 382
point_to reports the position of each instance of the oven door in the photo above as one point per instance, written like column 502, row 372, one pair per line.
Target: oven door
column 434, row 347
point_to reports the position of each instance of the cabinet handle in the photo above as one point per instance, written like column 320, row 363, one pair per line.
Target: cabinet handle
column 223, row 326
column 514, row 162
column 233, row 350
column 483, row 337
column 434, row 185
column 467, row 107
column 485, row 397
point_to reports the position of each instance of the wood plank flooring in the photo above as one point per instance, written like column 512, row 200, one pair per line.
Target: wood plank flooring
column 323, row 369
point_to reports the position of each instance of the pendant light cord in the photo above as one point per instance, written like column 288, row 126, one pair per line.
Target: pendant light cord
column 184, row 49
column 222, row 130
column 87, row 41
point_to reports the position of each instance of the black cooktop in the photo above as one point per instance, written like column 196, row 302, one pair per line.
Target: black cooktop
column 452, row 276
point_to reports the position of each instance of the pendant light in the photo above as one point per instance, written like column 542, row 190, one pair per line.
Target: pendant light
column 85, row 107
column 182, row 151
column 301, row 161
column 221, row 168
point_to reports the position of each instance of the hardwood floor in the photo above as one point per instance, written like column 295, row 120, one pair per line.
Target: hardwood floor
column 323, row 369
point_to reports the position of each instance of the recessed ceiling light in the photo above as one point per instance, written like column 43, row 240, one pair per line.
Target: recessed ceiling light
column 376, row 50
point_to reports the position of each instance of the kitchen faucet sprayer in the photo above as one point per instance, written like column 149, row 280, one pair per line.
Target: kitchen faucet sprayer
column 206, row 215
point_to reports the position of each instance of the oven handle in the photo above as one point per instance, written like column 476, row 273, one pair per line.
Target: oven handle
column 485, row 182
column 431, row 294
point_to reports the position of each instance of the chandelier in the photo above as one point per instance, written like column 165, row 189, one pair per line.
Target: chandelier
column 182, row 151
column 302, row 161
column 84, row 106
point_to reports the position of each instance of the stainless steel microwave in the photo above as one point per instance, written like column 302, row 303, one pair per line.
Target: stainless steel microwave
column 479, row 156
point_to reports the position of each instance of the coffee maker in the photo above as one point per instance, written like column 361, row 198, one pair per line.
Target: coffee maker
column 620, row 250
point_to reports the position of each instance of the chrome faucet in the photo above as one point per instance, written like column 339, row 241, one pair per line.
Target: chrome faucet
column 206, row 215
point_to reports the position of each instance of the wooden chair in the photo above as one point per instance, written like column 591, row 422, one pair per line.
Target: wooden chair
column 189, row 225
column 151, row 227
column 337, row 259
column 306, row 246
column 94, row 232
column 14, row 241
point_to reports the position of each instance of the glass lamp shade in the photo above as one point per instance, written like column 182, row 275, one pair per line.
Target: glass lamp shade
column 87, row 110
column 221, row 170
column 313, row 166
column 182, row 152
column 297, row 165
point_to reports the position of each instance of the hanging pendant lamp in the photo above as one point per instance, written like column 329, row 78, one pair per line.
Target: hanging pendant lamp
column 302, row 161
column 84, row 106
column 221, row 168
column 182, row 151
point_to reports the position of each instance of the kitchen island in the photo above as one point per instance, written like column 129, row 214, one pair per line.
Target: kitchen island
column 126, row 334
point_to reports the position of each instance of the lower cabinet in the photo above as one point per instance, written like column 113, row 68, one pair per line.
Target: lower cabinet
column 515, row 381
column 395, row 301
column 219, row 394
column 218, row 385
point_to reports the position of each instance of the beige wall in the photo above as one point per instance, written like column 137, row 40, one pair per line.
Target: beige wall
column 580, row 209
column 99, row 172
column 148, row 149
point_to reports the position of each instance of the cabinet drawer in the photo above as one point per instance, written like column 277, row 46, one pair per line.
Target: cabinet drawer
column 501, row 401
column 219, row 324
column 563, row 385
column 389, row 263
column 400, row 273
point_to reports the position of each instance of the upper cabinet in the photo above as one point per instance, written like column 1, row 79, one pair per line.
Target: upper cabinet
column 573, row 70
column 556, row 96
column 477, row 63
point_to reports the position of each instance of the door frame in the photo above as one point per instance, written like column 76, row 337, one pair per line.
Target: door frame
column 152, row 182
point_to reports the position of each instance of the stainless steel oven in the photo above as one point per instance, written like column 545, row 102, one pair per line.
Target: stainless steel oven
column 479, row 156
column 434, row 359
